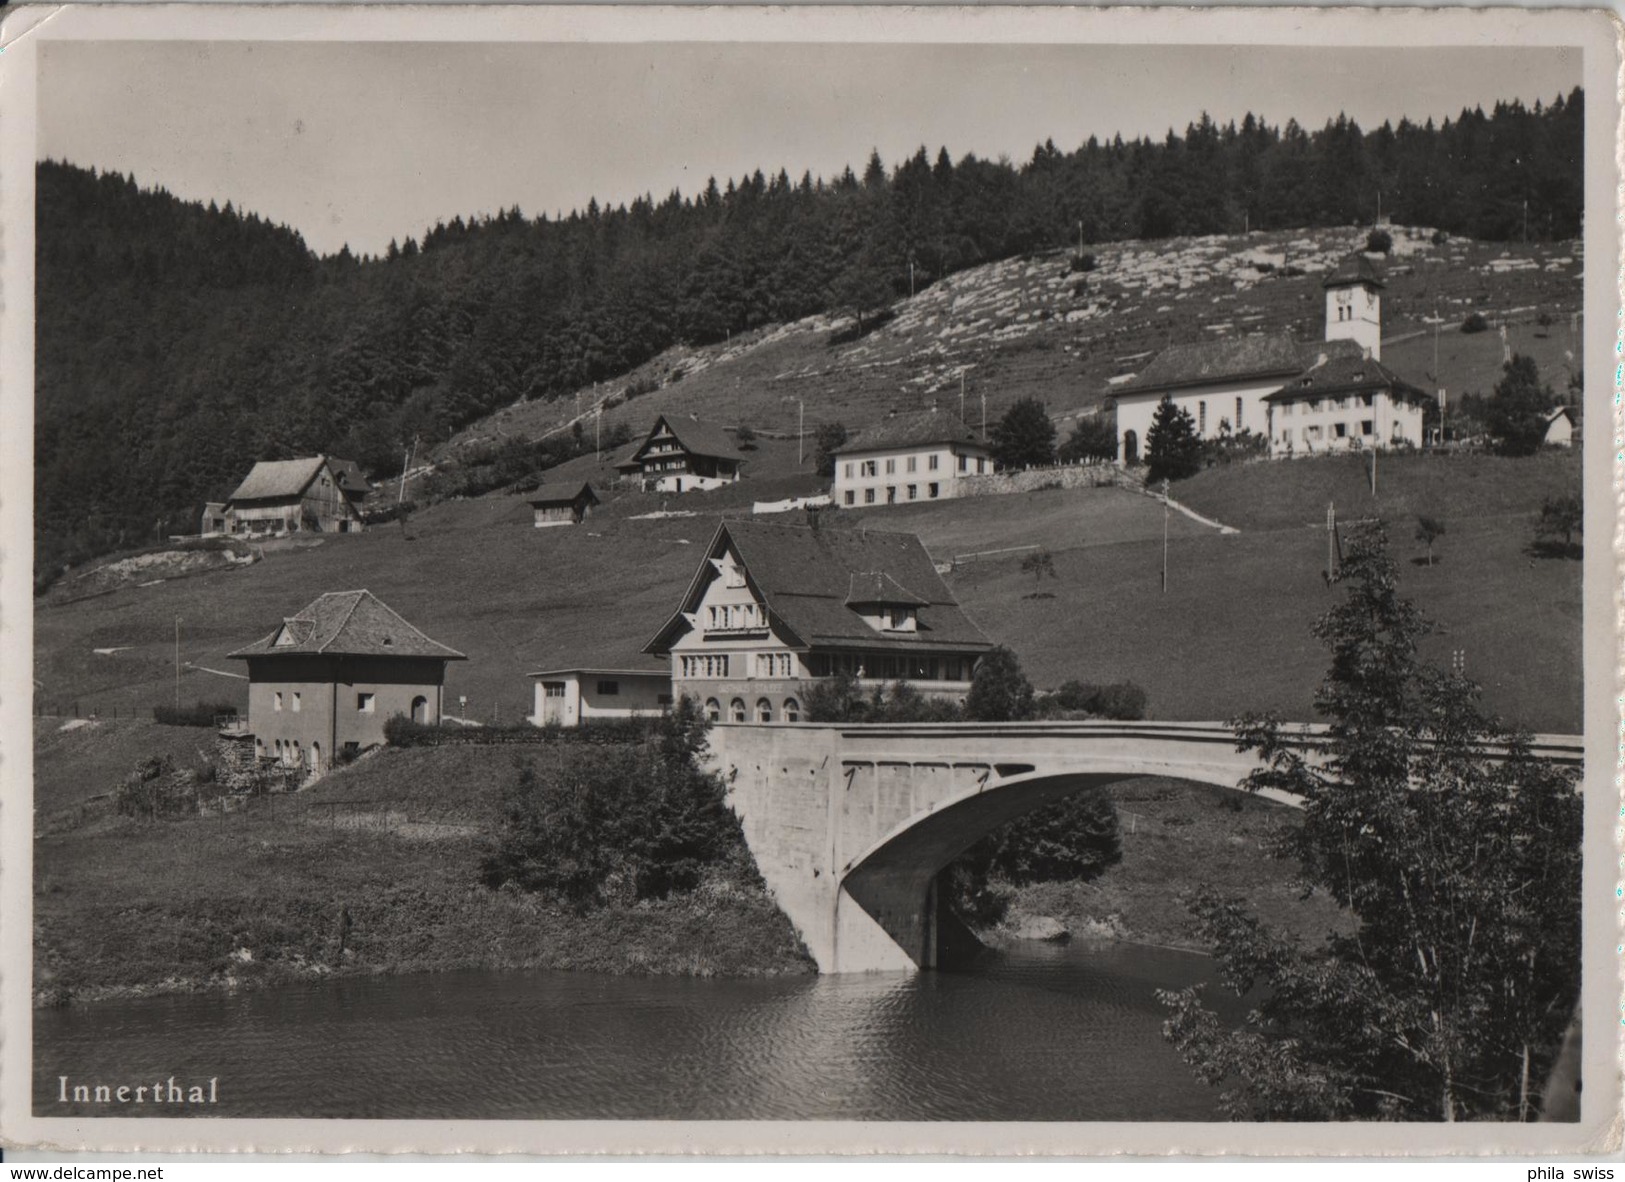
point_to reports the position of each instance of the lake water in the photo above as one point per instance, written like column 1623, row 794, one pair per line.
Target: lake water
column 1046, row 1033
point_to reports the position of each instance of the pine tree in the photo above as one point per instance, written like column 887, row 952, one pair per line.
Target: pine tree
column 1172, row 449
column 1024, row 437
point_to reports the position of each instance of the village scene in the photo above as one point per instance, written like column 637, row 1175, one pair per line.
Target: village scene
column 1004, row 632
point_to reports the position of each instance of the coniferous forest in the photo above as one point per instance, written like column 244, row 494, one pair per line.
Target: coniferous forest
column 177, row 343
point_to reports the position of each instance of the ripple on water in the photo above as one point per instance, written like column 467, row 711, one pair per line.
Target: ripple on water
column 1044, row 1034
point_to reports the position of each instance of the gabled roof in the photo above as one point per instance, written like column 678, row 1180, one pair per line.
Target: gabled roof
column 911, row 429
column 625, row 458
column 696, row 437
column 1232, row 360
column 1344, row 374
column 804, row 577
column 270, row 480
column 1356, row 268
column 559, row 499
column 348, row 623
column 348, row 474
column 1559, row 412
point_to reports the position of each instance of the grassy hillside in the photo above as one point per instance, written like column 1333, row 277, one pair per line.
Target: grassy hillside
column 1230, row 634
column 1021, row 328
column 258, row 896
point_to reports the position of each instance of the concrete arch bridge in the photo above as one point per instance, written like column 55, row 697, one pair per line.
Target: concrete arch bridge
column 851, row 824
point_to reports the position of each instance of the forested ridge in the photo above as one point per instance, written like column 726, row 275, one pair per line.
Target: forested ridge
column 177, row 343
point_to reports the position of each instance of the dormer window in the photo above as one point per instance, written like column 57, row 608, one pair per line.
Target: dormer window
column 901, row 619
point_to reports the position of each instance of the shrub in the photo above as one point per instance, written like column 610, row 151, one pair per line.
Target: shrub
column 745, row 437
column 1379, row 241
column 1083, row 262
column 1000, row 691
column 638, row 387
column 197, row 714
column 1475, row 322
column 1122, row 700
column 634, row 821
column 1073, row 840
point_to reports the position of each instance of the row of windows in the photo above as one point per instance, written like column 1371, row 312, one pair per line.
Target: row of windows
column 1313, row 405
column 866, row 468
column 364, row 703
column 1316, row 432
column 911, row 493
column 736, row 615
column 718, row 665
column 791, row 710
column 891, row 667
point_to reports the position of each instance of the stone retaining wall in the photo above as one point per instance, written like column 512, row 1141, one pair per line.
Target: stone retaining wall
column 1031, row 479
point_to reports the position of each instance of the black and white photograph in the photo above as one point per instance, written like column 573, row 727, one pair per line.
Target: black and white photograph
column 1029, row 575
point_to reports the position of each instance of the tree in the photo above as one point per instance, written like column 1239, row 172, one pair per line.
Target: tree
column 1428, row 531
column 1460, row 874
column 1562, row 517
column 1379, row 241
column 1073, row 840
column 1094, row 438
column 827, row 440
column 745, row 437
column 999, row 691
column 1516, row 416
column 1025, row 436
column 1172, row 449
column 1038, row 564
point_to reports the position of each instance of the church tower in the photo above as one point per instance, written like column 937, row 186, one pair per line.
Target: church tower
column 1354, row 304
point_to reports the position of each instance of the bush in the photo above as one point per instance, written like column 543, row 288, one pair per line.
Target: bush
column 1122, row 700
column 839, row 699
column 745, row 437
column 197, row 714
column 1379, row 241
column 1475, row 322
column 1073, row 840
column 639, row 821
column 1083, row 262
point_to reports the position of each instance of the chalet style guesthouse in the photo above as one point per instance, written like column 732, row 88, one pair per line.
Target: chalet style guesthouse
column 774, row 608
column 909, row 457
column 1305, row 398
column 316, row 494
column 329, row 677
column 683, row 455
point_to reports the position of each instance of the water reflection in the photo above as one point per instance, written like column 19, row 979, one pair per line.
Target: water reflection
column 1046, row 1034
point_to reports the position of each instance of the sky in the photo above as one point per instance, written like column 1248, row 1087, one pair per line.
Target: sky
column 364, row 142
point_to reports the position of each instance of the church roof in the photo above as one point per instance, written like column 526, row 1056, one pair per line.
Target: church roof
column 806, row 578
column 1355, row 268
column 911, row 429
column 1235, row 359
column 347, row 623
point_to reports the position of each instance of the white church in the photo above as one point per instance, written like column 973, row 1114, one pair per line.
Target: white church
column 1305, row 398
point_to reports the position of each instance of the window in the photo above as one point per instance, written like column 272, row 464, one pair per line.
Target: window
column 608, row 689
column 913, row 492
column 1365, row 399
column 773, row 665
column 891, row 494
column 365, row 703
column 713, row 710
column 981, row 465
column 1238, row 412
column 891, row 467
column 899, row 617
column 964, row 463
column 1365, row 426
column 1286, row 408
column 764, row 710
column 276, row 701
column 847, row 468
column 910, row 464
column 851, row 497
column 553, row 689
column 296, row 701
column 1201, row 417
column 736, row 710
column 931, row 490
column 1314, row 405
column 1342, row 430
column 735, row 576
column 352, row 748
column 869, row 468
column 931, row 461
column 868, row 496
column 792, row 710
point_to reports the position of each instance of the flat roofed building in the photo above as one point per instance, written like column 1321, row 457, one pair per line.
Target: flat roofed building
column 910, row 457
column 773, row 609
column 573, row 697
column 328, row 678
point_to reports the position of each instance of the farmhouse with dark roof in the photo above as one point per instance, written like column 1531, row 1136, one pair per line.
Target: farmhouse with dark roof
column 909, row 457
column 774, row 608
column 683, row 455
column 1304, row 398
column 315, row 494
column 328, row 677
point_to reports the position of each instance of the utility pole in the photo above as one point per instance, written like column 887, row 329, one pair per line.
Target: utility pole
column 404, row 466
column 1165, row 535
column 1080, row 239
column 801, row 417
column 177, row 662
column 598, row 431
column 984, row 414
column 962, row 396
column 1375, row 448
column 1331, row 541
